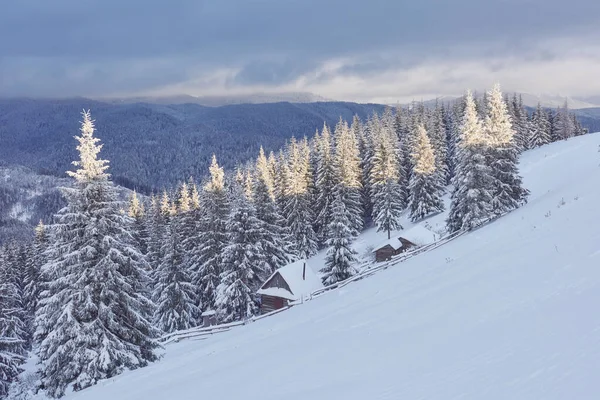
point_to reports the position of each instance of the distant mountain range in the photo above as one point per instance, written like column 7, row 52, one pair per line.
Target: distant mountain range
column 153, row 146
column 216, row 101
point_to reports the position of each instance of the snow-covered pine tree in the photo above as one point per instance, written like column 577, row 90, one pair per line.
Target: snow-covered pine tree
column 563, row 123
column 13, row 318
column 298, row 209
column 386, row 192
column 508, row 191
column 33, row 282
column 347, row 162
column 472, row 181
column 540, row 128
column 425, row 188
column 92, row 318
column 453, row 120
column 274, row 234
column 243, row 260
column 520, row 124
column 282, row 177
column 176, row 297
column 365, row 146
column 206, row 259
column 156, row 223
column 325, row 183
column 140, row 227
column 403, row 133
column 341, row 257
column 439, row 143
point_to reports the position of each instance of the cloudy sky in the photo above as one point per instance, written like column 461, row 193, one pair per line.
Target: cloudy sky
column 358, row 50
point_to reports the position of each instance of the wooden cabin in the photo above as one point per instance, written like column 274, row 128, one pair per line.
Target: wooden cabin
column 209, row 318
column 291, row 283
column 413, row 237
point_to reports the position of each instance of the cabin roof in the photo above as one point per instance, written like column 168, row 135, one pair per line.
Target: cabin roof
column 418, row 235
column 292, row 275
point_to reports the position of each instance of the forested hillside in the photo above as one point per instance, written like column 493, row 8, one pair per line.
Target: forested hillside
column 152, row 146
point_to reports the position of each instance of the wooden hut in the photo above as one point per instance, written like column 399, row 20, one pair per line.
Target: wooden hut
column 290, row 283
column 209, row 318
column 413, row 237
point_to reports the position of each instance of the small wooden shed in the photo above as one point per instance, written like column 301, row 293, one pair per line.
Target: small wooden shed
column 209, row 318
column 413, row 237
column 290, row 283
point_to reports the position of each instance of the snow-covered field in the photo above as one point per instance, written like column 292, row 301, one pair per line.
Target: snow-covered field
column 510, row 311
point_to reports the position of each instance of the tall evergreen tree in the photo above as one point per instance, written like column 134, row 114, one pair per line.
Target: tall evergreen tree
column 508, row 192
column 92, row 321
column 177, row 305
column 206, row 259
column 298, row 210
column 425, row 189
column 366, row 151
column 347, row 160
column 472, row 182
column 386, row 192
column 341, row 258
column 274, row 235
column 244, row 263
column 563, row 123
column 541, row 130
column 439, row 143
column 33, row 282
column 325, row 183
column 13, row 329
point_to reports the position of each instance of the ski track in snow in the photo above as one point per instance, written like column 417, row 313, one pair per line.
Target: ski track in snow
column 509, row 311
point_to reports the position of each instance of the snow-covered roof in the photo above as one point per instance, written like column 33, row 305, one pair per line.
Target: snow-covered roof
column 394, row 242
column 292, row 274
column 419, row 235
column 208, row 313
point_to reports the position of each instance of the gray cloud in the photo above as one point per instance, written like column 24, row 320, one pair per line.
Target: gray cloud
column 92, row 47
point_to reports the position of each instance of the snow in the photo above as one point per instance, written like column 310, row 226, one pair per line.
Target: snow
column 508, row 311
column 394, row 243
column 292, row 274
column 418, row 234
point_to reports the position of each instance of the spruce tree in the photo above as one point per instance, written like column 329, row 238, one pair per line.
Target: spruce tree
column 425, row 188
column 176, row 302
column 140, row 233
column 366, row 151
column 298, row 209
column 347, row 161
column 386, row 192
column 439, row 143
column 325, row 183
column 508, row 191
column 33, row 282
column 92, row 320
column 13, row 328
column 274, row 235
column 341, row 258
column 472, row 181
column 244, row 263
column 206, row 259
column 540, row 132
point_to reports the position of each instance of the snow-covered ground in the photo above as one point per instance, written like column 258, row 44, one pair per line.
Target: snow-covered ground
column 510, row 311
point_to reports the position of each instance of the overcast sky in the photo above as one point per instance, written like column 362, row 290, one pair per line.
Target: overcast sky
column 358, row 50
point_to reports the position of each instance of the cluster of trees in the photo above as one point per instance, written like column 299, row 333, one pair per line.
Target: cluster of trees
column 100, row 283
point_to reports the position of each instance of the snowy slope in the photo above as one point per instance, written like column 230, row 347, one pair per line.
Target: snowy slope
column 509, row 311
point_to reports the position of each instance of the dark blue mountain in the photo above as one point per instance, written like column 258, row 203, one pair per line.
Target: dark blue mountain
column 151, row 146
